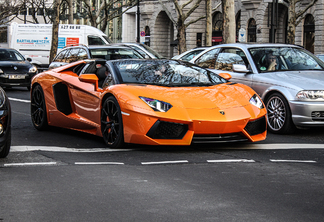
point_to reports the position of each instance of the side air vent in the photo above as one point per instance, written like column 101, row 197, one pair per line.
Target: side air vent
column 62, row 98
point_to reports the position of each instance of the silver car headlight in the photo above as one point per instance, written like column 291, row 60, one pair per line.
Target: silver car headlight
column 156, row 105
column 256, row 101
column 32, row 69
column 310, row 94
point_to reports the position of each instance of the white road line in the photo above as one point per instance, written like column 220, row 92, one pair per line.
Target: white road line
column 293, row 161
column 98, row 163
column 283, row 146
column 19, row 100
column 165, row 162
column 30, row 164
column 231, row 161
column 62, row 149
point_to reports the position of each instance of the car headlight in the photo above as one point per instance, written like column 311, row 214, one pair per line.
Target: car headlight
column 1, row 71
column 256, row 101
column 156, row 105
column 310, row 94
column 2, row 98
column 32, row 69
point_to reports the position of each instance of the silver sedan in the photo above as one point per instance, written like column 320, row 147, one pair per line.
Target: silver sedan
column 288, row 78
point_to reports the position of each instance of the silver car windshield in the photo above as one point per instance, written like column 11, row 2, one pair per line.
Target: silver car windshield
column 270, row 59
column 166, row 73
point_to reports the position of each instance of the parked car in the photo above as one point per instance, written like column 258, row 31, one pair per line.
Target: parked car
column 80, row 52
column 190, row 54
column 289, row 79
column 147, row 101
column 146, row 51
column 15, row 70
column 5, row 124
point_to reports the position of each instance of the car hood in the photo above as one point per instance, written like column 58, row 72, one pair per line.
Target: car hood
column 221, row 96
column 14, row 66
column 306, row 80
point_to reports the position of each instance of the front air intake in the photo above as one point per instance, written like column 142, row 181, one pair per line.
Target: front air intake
column 167, row 130
column 256, row 127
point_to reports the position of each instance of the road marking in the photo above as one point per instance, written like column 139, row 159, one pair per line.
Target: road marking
column 283, row 146
column 29, row 164
column 98, row 163
column 231, row 161
column 19, row 100
column 62, row 149
column 293, row 161
column 165, row 162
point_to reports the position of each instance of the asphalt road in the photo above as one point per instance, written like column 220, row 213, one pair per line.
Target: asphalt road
column 63, row 175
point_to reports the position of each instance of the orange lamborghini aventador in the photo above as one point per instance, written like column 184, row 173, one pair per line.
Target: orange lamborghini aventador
column 154, row 102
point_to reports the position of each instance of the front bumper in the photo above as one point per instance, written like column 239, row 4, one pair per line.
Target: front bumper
column 165, row 131
column 307, row 114
column 16, row 79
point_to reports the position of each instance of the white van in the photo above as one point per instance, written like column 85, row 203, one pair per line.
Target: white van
column 34, row 40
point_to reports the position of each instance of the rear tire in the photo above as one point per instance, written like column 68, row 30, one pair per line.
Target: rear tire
column 38, row 108
column 112, row 123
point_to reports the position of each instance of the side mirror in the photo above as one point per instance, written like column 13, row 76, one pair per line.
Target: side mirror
column 90, row 78
column 226, row 76
column 29, row 59
column 240, row 68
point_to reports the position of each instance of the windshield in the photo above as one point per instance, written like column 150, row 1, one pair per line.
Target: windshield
column 166, row 73
column 10, row 55
column 269, row 59
column 107, row 39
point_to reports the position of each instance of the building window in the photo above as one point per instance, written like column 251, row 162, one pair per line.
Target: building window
column 217, row 37
column 309, row 33
column 252, row 31
column 147, row 36
column 199, row 40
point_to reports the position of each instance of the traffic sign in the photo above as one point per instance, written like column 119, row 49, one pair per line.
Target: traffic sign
column 142, row 33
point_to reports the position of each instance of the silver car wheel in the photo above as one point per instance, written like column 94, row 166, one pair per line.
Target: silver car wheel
column 276, row 113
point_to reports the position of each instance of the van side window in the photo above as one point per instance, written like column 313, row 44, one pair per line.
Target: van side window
column 60, row 56
column 95, row 40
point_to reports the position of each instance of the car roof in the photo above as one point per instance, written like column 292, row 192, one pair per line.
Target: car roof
column 256, row 45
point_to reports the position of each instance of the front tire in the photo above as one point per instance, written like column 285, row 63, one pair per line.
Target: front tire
column 112, row 123
column 6, row 147
column 279, row 115
column 38, row 108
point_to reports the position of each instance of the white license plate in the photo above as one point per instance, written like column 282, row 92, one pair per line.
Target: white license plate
column 16, row 76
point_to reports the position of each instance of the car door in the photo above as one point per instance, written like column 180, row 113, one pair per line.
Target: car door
column 225, row 61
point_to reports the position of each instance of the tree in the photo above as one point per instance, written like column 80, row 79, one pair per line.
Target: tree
column 209, row 28
column 294, row 18
column 9, row 10
column 55, row 28
column 229, row 32
column 183, row 13
column 107, row 10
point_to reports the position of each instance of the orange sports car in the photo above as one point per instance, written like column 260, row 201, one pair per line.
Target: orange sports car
column 153, row 102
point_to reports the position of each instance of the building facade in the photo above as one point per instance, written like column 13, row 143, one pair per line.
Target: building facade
column 258, row 21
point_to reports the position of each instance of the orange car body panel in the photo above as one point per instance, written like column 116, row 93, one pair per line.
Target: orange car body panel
column 198, row 107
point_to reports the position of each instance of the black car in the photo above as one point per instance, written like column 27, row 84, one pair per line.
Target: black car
column 5, row 124
column 15, row 70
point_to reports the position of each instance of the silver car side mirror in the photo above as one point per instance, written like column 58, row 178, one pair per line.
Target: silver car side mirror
column 240, row 68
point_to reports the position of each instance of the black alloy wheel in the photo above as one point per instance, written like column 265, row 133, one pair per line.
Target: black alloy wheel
column 279, row 115
column 112, row 123
column 38, row 108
